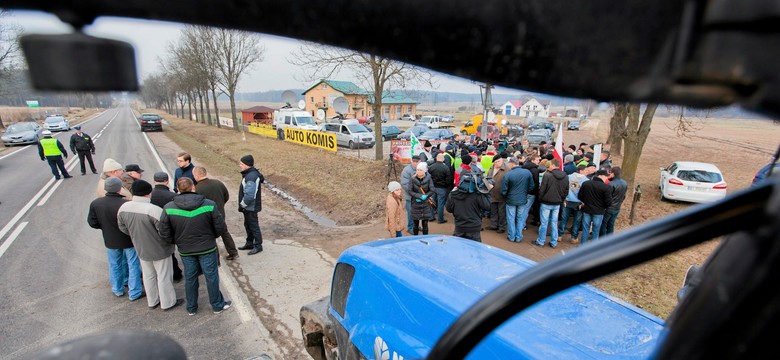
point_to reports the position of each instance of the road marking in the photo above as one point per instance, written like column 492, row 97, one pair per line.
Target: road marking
column 154, row 149
column 245, row 312
column 25, row 208
column 11, row 238
column 95, row 116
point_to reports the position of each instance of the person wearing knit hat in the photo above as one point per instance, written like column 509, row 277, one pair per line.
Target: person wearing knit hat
column 421, row 193
column 395, row 211
column 140, row 219
column 569, row 167
column 111, row 168
column 124, row 268
column 250, row 203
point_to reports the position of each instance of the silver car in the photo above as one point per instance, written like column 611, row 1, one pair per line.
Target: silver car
column 56, row 123
column 22, row 133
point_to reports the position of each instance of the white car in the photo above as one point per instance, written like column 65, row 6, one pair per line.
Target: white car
column 56, row 123
column 693, row 182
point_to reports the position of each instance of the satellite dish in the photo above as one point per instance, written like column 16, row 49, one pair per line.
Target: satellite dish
column 301, row 104
column 504, row 122
column 288, row 97
column 491, row 118
column 320, row 114
column 341, row 105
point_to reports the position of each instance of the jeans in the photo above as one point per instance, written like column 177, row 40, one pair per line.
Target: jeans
column 587, row 221
column 205, row 264
column 409, row 221
column 548, row 214
column 399, row 234
column 88, row 156
column 56, row 162
column 252, row 227
column 118, row 261
column 441, row 202
column 529, row 202
column 514, row 224
column 608, row 225
column 573, row 208
column 498, row 215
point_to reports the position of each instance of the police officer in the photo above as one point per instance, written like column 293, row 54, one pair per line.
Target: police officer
column 51, row 150
column 81, row 144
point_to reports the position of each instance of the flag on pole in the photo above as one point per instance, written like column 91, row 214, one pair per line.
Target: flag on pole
column 597, row 155
column 415, row 142
column 558, row 152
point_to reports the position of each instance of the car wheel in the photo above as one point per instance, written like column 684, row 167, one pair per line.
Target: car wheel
column 464, row 133
column 661, row 190
column 352, row 145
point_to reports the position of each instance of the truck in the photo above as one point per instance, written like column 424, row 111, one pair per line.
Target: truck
column 289, row 117
column 394, row 298
column 475, row 123
column 433, row 121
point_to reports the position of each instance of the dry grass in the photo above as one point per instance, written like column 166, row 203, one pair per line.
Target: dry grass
column 17, row 114
column 352, row 192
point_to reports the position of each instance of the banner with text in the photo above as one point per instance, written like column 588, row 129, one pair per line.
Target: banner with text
column 262, row 129
column 316, row 139
column 402, row 149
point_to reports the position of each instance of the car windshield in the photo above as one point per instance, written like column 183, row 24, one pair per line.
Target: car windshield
column 305, row 120
column 536, row 138
column 431, row 133
column 54, row 120
column 357, row 128
column 426, row 119
column 699, row 176
column 17, row 128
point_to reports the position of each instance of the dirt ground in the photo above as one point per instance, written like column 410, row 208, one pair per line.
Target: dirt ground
column 352, row 192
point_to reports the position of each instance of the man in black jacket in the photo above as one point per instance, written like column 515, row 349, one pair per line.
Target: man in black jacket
column 467, row 206
column 82, row 145
column 619, row 188
column 216, row 191
column 533, row 204
column 595, row 196
column 440, row 174
column 161, row 196
column 124, row 268
column 250, row 203
column 193, row 223
column 552, row 192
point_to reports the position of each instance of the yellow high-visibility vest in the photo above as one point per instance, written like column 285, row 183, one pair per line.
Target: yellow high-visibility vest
column 50, row 147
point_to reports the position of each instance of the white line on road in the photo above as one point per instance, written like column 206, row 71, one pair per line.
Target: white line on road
column 154, row 149
column 25, row 208
column 11, row 238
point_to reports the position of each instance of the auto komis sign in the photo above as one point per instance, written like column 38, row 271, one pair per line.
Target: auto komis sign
column 316, row 139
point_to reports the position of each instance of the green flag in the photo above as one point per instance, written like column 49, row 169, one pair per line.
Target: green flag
column 415, row 142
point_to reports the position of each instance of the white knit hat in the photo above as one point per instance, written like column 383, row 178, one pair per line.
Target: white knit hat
column 393, row 186
column 111, row 165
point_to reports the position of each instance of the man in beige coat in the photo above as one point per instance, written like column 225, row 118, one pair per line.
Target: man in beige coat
column 111, row 168
column 395, row 220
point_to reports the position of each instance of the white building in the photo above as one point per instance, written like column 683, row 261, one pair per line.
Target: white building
column 527, row 106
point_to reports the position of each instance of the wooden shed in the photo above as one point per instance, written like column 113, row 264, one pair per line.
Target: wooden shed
column 258, row 114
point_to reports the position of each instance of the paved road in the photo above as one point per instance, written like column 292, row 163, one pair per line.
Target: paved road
column 53, row 266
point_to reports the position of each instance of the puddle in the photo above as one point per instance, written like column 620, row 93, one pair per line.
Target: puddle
column 311, row 214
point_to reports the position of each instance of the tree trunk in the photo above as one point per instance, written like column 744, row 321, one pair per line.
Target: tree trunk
column 216, row 108
column 189, row 106
column 617, row 126
column 2, row 126
column 208, row 108
column 236, row 123
column 202, row 115
column 635, row 137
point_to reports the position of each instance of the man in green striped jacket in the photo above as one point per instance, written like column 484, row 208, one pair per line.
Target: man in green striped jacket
column 193, row 223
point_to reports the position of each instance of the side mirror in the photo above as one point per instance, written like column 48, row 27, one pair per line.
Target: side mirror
column 662, row 169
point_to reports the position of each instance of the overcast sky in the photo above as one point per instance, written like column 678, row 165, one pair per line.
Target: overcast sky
column 150, row 39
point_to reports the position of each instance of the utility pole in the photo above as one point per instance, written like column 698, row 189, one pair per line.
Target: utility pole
column 487, row 102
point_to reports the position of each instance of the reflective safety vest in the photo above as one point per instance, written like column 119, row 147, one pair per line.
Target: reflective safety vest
column 487, row 162
column 50, row 147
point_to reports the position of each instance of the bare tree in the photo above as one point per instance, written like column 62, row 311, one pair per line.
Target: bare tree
column 234, row 52
column 633, row 129
column 375, row 72
column 9, row 47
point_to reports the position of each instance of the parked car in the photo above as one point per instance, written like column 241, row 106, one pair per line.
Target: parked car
column 513, row 130
column 448, row 118
column 56, row 122
column 390, row 132
column 150, row 122
column 408, row 117
column 542, row 125
column 351, row 133
column 22, row 133
column 574, row 125
column 692, row 182
column 418, row 130
column 437, row 134
column 762, row 174
column 433, row 121
column 537, row 136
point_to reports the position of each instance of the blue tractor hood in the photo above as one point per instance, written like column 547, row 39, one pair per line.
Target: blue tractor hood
column 407, row 291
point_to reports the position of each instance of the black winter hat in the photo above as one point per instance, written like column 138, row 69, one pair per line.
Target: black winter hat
column 140, row 188
column 248, row 160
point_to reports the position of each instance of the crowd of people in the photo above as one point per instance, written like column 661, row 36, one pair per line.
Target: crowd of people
column 512, row 184
column 143, row 224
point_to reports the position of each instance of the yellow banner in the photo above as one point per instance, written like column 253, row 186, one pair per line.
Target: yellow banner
column 316, row 139
column 260, row 129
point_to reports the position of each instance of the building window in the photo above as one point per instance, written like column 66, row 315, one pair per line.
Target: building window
column 323, row 86
column 324, row 102
column 312, row 99
column 409, row 109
